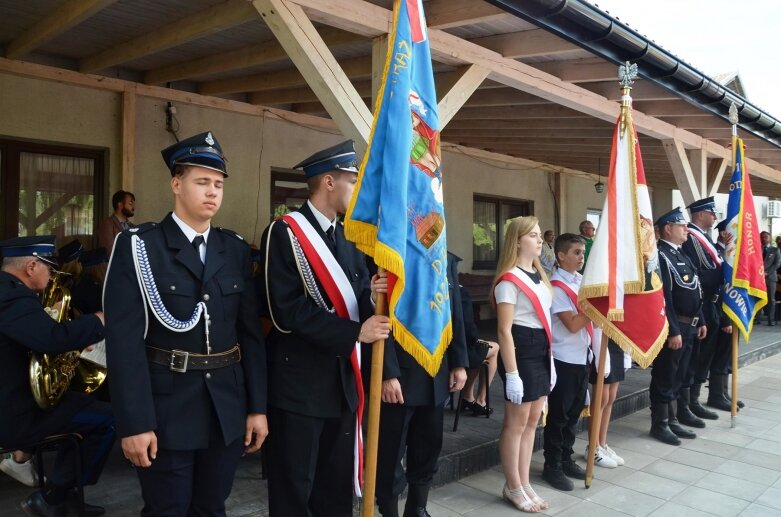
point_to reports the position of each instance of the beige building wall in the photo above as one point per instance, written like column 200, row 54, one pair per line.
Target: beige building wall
column 55, row 113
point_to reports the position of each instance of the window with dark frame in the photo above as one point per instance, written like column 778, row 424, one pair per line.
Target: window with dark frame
column 288, row 191
column 490, row 217
column 51, row 189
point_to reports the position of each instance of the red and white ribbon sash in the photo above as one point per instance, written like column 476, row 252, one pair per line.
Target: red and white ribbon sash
column 706, row 244
column 339, row 290
column 573, row 297
column 524, row 284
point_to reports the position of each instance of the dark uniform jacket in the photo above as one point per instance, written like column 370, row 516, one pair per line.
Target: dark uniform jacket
column 25, row 327
column 309, row 360
column 149, row 396
column 709, row 272
column 682, row 292
column 417, row 386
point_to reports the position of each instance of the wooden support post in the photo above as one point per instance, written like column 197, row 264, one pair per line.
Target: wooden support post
column 698, row 161
column 379, row 55
column 128, row 139
column 716, row 169
column 682, row 171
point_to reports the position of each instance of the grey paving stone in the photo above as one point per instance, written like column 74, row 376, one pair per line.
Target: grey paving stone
column 722, row 450
column 771, row 498
column 652, row 485
column 590, row 509
column 670, row 509
column 628, row 501
column 697, row 459
column 735, row 487
column 709, row 501
column 675, row 471
column 757, row 510
column 756, row 474
column 461, row 498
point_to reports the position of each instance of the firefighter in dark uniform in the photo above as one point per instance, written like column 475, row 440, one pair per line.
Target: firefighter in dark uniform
column 313, row 396
column 683, row 300
column 703, row 254
column 411, row 418
column 27, row 264
column 184, row 344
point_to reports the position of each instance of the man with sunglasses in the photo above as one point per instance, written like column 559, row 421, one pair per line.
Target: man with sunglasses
column 27, row 265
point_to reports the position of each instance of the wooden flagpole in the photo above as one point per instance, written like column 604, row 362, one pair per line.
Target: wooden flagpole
column 733, row 118
column 373, row 427
column 596, row 412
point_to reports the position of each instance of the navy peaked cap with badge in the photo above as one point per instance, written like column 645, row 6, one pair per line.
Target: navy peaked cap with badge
column 340, row 157
column 39, row 246
column 674, row 216
column 202, row 150
column 70, row 251
column 706, row 204
column 93, row 257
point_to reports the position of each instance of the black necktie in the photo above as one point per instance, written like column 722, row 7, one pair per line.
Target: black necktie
column 197, row 241
column 331, row 235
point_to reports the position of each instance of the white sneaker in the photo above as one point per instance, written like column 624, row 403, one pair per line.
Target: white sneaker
column 613, row 456
column 22, row 472
column 602, row 459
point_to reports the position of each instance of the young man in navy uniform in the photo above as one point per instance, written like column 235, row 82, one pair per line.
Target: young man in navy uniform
column 313, row 394
column 184, row 344
column 27, row 263
column 412, row 414
column 702, row 252
column 683, row 301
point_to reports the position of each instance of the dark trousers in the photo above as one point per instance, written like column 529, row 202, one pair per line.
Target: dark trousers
column 192, row 483
column 95, row 423
column 770, row 308
column 671, row 367
column 416, row 430
column 702, row 356
column 565, row 404
column 310, row 465
column 722, row 355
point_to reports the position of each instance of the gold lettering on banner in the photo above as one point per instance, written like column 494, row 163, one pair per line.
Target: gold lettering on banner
column 443, row 293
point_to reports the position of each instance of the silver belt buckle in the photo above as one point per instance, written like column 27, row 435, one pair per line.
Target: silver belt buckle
column 174, row 355
column 695, row 320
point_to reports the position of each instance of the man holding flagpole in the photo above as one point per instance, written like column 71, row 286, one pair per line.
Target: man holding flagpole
column 316, row 291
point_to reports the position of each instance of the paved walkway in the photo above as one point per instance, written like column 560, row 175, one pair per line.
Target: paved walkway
column 725, row 472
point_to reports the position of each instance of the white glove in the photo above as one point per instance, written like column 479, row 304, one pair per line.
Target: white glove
column 514, row 387
column 552, row 373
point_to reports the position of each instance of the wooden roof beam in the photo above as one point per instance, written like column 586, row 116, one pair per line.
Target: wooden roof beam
column 60, row 19
column 300, row 95
column 244, row 57
column 314, row 60
column 214, row 19
column 531, row 43
column 589, row 70
column 682, row 171
column 456, row 95
column 447, row 14
column 716, row 169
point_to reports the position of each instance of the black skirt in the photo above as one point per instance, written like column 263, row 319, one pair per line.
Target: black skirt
column 533, row 360
column 616, row 356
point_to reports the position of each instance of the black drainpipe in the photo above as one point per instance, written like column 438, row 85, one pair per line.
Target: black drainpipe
column 596, row 31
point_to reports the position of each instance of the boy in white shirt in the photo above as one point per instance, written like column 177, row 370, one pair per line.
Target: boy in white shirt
column 572, row 334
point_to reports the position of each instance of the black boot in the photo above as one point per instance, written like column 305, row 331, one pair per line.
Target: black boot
column 741, row 405
column 556, row 478
column 389, row 508
column 572, row 469
column 716, row 399
column 676, row 427
column 417, row 499
column 697, row 408
column 37, row 505
column 685, row 416
column 659, row 428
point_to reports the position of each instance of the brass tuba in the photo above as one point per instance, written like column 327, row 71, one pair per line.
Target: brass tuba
column 51, row 375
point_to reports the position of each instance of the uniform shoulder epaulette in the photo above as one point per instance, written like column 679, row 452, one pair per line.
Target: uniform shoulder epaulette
column 141, row 228
column 226, row 231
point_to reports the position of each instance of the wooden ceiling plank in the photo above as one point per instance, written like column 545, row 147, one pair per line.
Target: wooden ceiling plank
column 314, row 60
column 244, row 57
column 579, row 70
column 470, row 78
column 60, row 19
column 447, row 14
column 531, row 43
column 682, row 171
column 214, row 19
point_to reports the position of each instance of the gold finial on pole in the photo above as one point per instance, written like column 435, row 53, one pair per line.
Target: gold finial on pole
column 627, row 73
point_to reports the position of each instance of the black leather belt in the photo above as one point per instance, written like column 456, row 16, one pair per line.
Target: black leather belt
column 182, row 361
column 686, row 320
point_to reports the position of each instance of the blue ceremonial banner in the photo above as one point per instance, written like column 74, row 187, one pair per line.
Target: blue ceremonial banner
column 745, row 292
column 396, row 214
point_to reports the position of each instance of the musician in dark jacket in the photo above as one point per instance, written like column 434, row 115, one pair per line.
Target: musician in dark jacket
column 683, row 304
column 412, row 413
column 27, row 263
column 184, row 344
column 313, row 394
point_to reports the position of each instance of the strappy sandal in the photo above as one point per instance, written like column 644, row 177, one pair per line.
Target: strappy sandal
column 539, row 501
column 479, row 410
column 518, row 498
column 468, row 406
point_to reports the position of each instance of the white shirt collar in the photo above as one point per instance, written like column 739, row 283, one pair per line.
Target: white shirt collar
column 322, row 220
column 674, row 246
column 570, row 278
column 188, row 230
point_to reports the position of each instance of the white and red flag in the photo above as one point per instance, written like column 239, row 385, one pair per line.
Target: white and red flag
column 621, row 289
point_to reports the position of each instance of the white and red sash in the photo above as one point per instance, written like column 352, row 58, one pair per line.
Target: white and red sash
column 573, row 297
column 706, row 244
column 339, row 290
